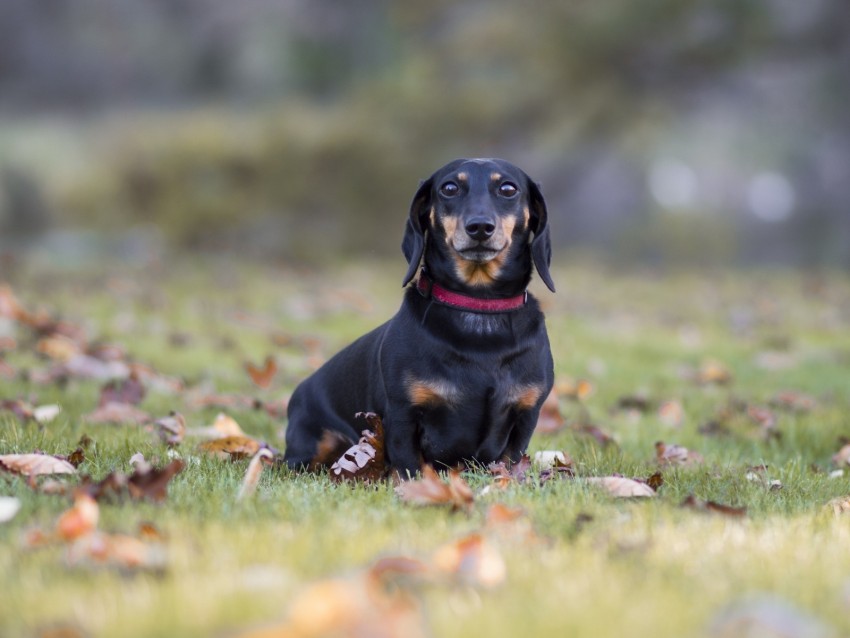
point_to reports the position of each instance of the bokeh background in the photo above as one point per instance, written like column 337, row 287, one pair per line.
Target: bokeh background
column 672, row 132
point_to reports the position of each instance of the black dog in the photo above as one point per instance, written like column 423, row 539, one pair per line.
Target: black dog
column 459, row 374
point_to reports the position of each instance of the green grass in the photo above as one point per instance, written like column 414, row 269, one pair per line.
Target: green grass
column 607, row 567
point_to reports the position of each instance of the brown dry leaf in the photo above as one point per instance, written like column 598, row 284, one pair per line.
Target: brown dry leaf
column 431, row 490
column 231, row 447
column 621, row 487
column 58, row 347
column 503, row 474
column 472, row 560
column 498, row 514
column 840, row 506
column 671, row 454
column 171, row 429
column 35, row 464
column 129, row 390
column 252, row 474
column 262, row 377
column 550, row 419
column 10, row 307
column 671, row 414
column 152, row 483
column 692, row 502
column 575, row 389
column 634, row 403
column 360, row 606
column 546, row 459
column 222, row 427
column 794, row 401
column 363, row 461
column 842, row 457
column 20, row 408
column 655, row 481
column 116, row 550
column 511, row 525
column 118, row 414
column 80, row 520
column 713, row 372
column 77, row 457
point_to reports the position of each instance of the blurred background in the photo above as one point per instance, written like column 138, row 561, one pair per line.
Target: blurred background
column 664, row 132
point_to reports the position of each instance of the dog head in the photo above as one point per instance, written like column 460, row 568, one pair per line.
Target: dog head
column 480, row 224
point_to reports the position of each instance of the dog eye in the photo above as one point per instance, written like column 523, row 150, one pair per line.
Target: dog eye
column 449, row 189
column 507, row 190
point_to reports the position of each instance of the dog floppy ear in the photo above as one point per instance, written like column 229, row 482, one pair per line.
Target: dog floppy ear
column 413, row 244
column 541, row 245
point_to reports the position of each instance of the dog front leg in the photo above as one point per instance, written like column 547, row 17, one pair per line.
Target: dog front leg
column 523, row 428
column 401, row 445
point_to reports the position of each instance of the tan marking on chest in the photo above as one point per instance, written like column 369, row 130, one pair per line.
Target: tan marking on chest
column 431, row 393
column 525, row 397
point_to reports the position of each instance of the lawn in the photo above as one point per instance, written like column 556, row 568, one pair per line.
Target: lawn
column 744, row 377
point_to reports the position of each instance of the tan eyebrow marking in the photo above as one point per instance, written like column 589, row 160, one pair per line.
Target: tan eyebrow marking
column 495, row 176
column 463, row 177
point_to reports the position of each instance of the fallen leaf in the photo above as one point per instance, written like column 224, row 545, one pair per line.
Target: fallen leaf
column 361, row 605
column 80, row 520
column 9, row 506
column 171, row 429
column 46, row 413
column 431, row 490
column 231, row 447
column 656, row 481
column 634, row 402
column 118, row 414
column 472, row 560
column 503, row 474
column 85, row 366
column 499, row 513
column 713, row 372
column 840, row 506
column 575, row 389
column 262, row 377
column 842, row 457
column 547, row 459
column 77, row 457
column 222, row 427
column 695, row 503
column 794, row 401
column 671, row 414
column 116, row 550
column 35, row 464
column 671, row 454
column 152, row 484
column 363, row 461
column 58, row 347
column 621, row 487
column 20, row 408
column 550, row 419
column 252, row 475
column 129, row 390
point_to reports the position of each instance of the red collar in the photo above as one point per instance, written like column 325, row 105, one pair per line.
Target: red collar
column 428, row 288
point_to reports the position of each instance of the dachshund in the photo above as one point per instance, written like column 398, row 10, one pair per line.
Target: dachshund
column 459, row 374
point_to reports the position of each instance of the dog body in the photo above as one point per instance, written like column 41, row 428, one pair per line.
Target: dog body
column 460, row 372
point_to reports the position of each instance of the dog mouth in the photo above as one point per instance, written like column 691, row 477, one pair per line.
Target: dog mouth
column 480, row 254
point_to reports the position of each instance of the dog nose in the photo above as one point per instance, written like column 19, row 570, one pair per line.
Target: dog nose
column 480, row 228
